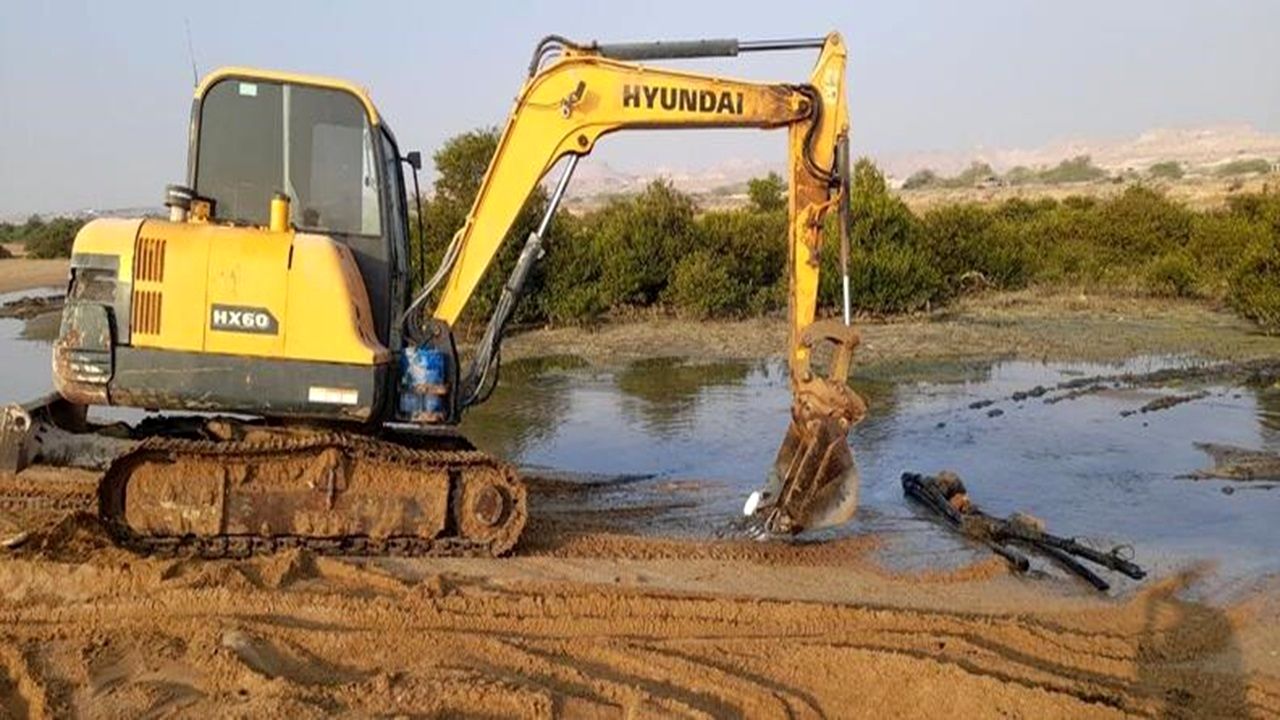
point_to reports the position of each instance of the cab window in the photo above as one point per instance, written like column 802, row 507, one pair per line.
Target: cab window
column 314, row 144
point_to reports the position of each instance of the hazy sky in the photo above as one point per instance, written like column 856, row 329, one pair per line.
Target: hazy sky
column 95, row 96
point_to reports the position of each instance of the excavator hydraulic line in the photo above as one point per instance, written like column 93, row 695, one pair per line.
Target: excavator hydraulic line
column 483, row 363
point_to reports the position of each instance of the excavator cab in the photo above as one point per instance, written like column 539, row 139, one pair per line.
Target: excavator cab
column 321, row 143
column 276, row 282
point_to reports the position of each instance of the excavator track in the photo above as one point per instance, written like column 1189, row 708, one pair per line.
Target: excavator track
column 332, row 493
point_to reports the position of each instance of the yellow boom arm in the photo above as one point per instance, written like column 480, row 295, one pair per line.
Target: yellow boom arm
column 566, row 107
column 589, row 91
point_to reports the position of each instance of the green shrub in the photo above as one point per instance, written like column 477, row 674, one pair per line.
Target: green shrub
column 970, row 240
column 977, row 172
column 892, row 279
column 1218, row 242
column 920, row 179
column 1167, row 170
column 570, row 293
column 752, row 246
column 460, row 166
column 1076, row 170
column 1140, row 224
column 1021, row 210
column 1244, row 167
column 52, row 239
column 1255, row 285
column 1020, row 175
column 767, row 194
column 701, row 287
column 1261, row 207
column 639, row 241
column 1173, row 275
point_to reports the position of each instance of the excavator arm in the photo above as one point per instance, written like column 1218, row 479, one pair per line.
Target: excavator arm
column 576, row 94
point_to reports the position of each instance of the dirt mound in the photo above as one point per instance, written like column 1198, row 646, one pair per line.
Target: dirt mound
column 73, row 539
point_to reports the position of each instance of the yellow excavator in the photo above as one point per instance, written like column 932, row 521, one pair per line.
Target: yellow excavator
column 309, row 394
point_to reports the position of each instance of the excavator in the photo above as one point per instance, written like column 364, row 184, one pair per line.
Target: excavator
column 301, row 393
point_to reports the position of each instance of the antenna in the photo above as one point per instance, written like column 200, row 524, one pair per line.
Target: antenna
column 191, row 49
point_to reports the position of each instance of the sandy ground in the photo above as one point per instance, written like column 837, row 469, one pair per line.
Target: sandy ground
column 588, row 622
column 20, row 273
column 597, row 626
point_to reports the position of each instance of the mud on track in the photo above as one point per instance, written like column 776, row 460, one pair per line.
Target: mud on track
column 588, row 636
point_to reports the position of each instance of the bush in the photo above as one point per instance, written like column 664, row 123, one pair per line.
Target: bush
column 1173, row 275
column 1141, row 224
column 892, row 279
column 460, row 166
column 1167, row 170
column 52, row 239
column 701, row 287
column 919, row 179
column 1020, row 175
column 1244, row 167
column 1076, row 170
column 1218, row 242
column 41, row 239
column 1263, row 207
column 1255, row 285
column 976, row 173
column 968, row 240
column 753, row 248
column 639, row 240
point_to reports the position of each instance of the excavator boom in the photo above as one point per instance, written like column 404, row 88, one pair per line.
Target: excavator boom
column 585, row 92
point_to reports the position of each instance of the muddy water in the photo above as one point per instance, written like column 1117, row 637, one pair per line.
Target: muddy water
column 692, row 440
column 24, row 352
column 672, row 448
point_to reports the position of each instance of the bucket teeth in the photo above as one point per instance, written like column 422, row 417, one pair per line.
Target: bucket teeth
column 814, row 481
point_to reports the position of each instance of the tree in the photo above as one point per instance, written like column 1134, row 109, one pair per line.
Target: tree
column 1020, row 175
column 768, row 193
column 976, row 173
column 921, row 179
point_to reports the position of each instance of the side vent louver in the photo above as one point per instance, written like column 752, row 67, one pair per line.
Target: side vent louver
column 148, row 260
column 148, row 275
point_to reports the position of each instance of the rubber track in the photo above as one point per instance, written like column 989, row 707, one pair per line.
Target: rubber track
column 239, row 546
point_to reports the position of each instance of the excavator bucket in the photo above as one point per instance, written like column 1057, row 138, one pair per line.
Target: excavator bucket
column 814, row 481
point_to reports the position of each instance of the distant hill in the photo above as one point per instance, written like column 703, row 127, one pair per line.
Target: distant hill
column 1201, row 147
column 90, row 213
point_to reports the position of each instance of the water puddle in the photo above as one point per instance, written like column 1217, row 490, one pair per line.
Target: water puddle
column 1093, row 466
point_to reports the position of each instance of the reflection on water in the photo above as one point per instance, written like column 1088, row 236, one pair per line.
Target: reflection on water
column 661, row 395
column 1078, row 464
